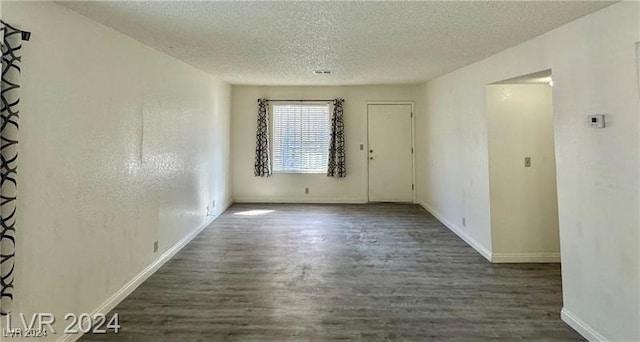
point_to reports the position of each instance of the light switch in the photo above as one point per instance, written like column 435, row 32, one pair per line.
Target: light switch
column 527, row 161
column 361, row 147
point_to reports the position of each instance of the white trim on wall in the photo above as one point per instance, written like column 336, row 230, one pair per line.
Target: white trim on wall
column 148, row 271
column 485, row 252
column 328, row 200
column 553, row 257
column 488, row 254
column 581, row 327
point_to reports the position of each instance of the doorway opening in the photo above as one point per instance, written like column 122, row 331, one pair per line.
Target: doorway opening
column 390, row 152
column 522, row 170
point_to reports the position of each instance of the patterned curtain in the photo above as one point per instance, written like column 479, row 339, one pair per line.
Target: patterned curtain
column 11, row 45
column 262, row 165
column 337, row 158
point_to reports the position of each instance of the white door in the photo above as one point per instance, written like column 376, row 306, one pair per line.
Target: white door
column 390, row 153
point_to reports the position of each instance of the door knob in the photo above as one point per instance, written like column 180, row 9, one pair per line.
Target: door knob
column 370, row 158
column 370, row 151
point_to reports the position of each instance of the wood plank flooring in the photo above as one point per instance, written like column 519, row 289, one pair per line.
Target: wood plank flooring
column 339, row 272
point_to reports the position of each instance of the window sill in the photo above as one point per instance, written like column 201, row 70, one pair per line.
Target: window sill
column 298, row 173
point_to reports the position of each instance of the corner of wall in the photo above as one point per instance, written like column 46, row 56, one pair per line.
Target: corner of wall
column 484, row 251
column 115, row 299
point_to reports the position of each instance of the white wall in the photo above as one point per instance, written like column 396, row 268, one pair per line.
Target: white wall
column 290, row 187
column 524, row 205
column 638, row 79
column 638, row 204
column 452, row 160
column 120, row 145
column 593, row 64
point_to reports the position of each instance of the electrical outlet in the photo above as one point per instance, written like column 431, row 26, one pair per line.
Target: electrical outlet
column 306, row 191
column 155, row 246
column 361, row 147
column 464, row 221
column 596, row 121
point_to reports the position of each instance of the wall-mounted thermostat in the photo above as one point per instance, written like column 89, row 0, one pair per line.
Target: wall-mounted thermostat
column 596, row 121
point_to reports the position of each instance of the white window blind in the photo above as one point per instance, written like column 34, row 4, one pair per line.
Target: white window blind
column 300, row 138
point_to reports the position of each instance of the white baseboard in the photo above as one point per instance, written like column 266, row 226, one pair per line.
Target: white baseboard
column 466, row 238
column 311, row 200
column 525, row 257
column 136, row 281
column 581, row 327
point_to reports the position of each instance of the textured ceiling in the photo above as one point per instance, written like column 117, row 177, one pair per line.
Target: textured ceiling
column 281, row 43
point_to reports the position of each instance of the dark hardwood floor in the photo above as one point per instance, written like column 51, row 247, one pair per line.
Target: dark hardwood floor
column 340, row 272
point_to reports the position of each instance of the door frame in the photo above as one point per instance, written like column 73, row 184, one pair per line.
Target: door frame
column 413, row 143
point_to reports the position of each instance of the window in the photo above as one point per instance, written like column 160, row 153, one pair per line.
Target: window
column 300, row 138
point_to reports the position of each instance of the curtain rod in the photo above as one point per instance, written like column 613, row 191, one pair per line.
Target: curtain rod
column 301, row 100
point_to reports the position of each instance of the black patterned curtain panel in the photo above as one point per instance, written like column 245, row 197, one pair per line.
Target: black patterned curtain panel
column 11, row 39
column 337, row 159
column 262, row 164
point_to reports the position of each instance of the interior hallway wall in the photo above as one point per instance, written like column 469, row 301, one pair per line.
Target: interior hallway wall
column 120, row 146
column 524, row 201
column 594, row 71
